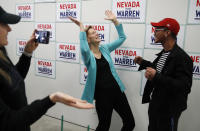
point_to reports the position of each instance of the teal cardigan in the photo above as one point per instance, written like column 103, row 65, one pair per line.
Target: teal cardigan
column 90, row 62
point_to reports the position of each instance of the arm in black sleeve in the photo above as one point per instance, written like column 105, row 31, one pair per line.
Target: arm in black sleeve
column 23, row 65
column 20, row 119
column 144, row 64
column 182, row 79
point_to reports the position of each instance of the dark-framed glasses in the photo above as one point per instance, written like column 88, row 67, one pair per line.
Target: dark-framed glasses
column 160, row 29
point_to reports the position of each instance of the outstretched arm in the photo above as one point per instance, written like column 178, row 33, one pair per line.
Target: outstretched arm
column 12, row 119
column 84, row 46
column 69, row 100
column 115, row 44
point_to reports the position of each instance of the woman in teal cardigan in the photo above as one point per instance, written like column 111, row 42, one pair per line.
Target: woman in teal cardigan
column 103, row 83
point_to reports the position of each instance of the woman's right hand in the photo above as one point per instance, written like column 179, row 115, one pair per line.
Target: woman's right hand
column 79, row 23
column 31, row 44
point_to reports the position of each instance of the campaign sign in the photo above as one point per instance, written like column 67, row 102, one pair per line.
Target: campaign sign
column 25, row 11
column 66, row 9
column 123, row 58
column 43, row 1
column 150, row 39
column 45, row 68
column 194, row 12
column 83, row 74
column 68, row 52
column 131, row 11
column 196, row 64
column 103, row 31
column 20, row 46
column 47, row 27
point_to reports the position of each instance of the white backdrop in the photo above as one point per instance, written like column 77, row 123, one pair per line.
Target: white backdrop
column 68, row 74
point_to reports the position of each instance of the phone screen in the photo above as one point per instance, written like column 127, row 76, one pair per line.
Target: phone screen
column 42, row 37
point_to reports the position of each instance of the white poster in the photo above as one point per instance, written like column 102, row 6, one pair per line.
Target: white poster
column 131, row 11
column 150, row 39
column 83, row 74
column 20, row 46
column 26, row 11
column 103, row 31
column 66, row 9
column 123, row 58
column 43, row 1
column 194, row 12
column 68, row 52
column 196, row 64
column 47, row 27
column 45, row 68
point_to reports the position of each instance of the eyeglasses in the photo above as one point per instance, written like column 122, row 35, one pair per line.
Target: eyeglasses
column 159, row 29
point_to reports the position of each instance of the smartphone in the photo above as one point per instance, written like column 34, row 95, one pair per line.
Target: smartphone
column 42, row 37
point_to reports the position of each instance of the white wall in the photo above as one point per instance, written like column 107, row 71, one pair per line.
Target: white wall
column 67, row 74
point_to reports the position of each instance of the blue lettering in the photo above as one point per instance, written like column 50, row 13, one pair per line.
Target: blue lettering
column 125, row 62
column 25, row 14
column 101, row 36
column 45, row 70
column 68, row 55
column 152, row 39
column 21, row 49
column 67, row 14
column 196, row 70
column 197, row 14
column 128, row 14
column 85, row 77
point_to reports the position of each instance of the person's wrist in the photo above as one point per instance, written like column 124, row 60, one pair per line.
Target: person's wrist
column 114, row 20
column 27, row 53
column 53, row 97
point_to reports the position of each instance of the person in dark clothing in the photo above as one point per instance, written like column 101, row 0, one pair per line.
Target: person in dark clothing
column 15, row 113
column 103, row 83
column 169, row 78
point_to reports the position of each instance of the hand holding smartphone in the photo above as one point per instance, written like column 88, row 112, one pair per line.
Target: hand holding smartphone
column 42, row 37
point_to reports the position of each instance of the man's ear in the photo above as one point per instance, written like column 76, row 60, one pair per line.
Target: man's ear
column 168, row 32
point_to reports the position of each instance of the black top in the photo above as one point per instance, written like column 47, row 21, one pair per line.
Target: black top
column 104, row 77
column 15, row 114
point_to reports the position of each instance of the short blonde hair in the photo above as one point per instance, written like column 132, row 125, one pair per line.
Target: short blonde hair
column 89, row 27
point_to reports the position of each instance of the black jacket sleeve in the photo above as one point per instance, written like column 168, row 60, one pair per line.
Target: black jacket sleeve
column 21, row 119
column 144, row 64
column 23, row 65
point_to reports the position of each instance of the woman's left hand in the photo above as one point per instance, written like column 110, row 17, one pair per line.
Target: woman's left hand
column 111, row 16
